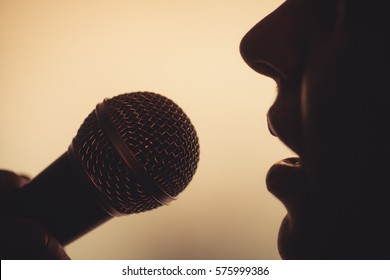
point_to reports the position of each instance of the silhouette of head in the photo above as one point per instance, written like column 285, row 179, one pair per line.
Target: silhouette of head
column 329, row 59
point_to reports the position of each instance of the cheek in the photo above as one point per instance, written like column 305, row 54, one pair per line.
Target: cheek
column 342, row 116
column 325, row 99
column 345, row 115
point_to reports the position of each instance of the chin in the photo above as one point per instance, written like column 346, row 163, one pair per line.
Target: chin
column 300, row 242
column 313, row 241
column 289, row 244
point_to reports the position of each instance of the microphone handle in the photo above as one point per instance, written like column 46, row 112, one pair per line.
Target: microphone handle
column 61, row 200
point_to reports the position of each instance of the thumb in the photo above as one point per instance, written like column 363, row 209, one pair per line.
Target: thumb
column 26, row 239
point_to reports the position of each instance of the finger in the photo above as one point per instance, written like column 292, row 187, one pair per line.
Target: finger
column 10, row 180
column 26, row 239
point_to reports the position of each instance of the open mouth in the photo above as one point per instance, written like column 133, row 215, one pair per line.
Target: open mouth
column 285, row 178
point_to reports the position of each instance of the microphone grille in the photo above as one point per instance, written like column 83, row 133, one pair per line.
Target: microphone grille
column 139, row 150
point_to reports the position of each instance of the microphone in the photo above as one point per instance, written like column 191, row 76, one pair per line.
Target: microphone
column 133, row 153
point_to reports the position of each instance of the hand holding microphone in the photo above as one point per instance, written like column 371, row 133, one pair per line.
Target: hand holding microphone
column 133, row 153
column 24, row 238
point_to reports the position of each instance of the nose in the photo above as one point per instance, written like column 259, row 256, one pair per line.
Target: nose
column 276, row 46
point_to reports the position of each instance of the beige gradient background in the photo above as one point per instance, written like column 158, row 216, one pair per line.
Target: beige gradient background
column 58, row 59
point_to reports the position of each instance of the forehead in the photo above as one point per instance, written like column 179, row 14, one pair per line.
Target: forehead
column 316, row 3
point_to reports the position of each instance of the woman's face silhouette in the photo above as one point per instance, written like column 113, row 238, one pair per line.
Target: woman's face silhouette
column 329, row 64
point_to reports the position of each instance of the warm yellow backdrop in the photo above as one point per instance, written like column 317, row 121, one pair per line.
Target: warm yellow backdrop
column 59, row 58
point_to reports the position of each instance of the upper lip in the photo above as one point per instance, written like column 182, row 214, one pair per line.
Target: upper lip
column 284, row 116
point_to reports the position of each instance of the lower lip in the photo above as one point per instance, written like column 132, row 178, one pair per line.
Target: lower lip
column 284, row 177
